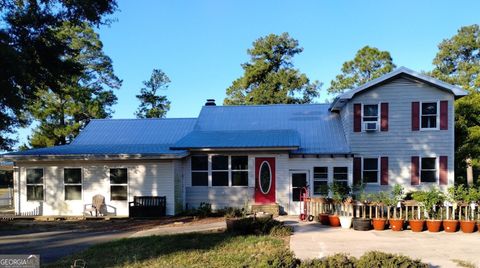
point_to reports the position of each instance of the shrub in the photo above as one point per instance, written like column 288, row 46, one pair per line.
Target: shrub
column 231, row 212
column 282, row 258
column 337, row 260
column 204, row 210
column 374, row 259
column 258, row 226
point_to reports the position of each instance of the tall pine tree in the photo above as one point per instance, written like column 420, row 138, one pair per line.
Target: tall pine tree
column 269, row 77
column 62, row 113
column 153, row 105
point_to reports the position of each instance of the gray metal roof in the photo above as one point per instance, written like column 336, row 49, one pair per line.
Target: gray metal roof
column 319, row 130
column 342, row 99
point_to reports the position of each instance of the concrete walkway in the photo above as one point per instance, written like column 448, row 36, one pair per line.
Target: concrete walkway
column 53, row 245
column 313, row 240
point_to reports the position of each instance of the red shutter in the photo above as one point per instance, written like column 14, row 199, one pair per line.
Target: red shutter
column 384, row 170
column 384, row 117
column 357, row 117
column 443, row 115
column 443, row 170
column 414, row 170
column 415, row 116
column 357, row 171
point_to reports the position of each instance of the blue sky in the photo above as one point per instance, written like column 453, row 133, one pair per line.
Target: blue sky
column 201, row 44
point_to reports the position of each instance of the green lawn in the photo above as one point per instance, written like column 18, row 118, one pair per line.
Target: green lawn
column 186, row 250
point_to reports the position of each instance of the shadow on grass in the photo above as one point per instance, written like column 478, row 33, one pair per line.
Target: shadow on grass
column 212, row 249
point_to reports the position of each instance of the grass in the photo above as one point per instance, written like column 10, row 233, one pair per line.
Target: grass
column 462, row 263
column 185, row 250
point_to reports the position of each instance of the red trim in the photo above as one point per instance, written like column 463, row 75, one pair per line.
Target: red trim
column 384, row 170
column 384, row 117
column 443, row 115
column 357, row 117
column 357, row 171
column 443, row 170
column 415, row 116
column 414, row 170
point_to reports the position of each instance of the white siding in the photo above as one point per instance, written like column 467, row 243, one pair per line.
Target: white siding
column 400, row 143
column 144, row 178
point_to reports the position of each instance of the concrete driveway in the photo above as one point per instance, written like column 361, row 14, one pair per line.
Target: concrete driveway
column 313, row 240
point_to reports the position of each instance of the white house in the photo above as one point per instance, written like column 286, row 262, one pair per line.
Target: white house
column 398, row 128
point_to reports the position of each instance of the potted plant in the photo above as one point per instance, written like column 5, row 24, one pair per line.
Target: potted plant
column 430, row 200
column 417, row 222
column 394, row 201
column 453, row 198
column 470, row 196
column 325, row 204
column 379, row 200
column 362, row 223
column 339, row 193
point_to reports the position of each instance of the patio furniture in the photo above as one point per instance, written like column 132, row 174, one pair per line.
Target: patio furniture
column 147, row 206
column 98, row 206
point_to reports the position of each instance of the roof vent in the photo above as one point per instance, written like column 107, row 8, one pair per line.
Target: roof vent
column 210, row 102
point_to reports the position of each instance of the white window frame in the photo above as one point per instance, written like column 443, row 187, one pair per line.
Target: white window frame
column 333, row 174
column 437, row 169
column 437, row 116
column 209, row 181
column 230, row 173
column 35, row 184
column 230, row 170
column 378, row 170
column 118, row 184
column 378, row 115
column 321, row 180
column 74, row 184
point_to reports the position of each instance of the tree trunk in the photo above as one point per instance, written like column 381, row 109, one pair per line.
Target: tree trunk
column 469, row 172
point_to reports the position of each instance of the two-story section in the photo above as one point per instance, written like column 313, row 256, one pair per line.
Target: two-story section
column 401, row 130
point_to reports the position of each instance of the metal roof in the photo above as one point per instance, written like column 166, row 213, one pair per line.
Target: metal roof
column 319, row 130
column 343, row 98
column 107, row 137
column 272, row 139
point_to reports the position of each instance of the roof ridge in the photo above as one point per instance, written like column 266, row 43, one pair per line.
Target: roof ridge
column 141, row 119
column 269, row 105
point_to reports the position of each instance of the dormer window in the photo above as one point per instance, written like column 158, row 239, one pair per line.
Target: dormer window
column 429, row 115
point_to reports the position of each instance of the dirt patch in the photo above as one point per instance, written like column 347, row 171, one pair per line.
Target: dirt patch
column 103, row 225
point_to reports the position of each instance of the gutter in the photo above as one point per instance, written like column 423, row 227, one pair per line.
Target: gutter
column 93, row 157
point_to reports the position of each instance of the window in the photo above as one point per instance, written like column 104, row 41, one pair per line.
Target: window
column 200, row 170
column 118, row 184
column 370, row 113
column 428, row 169
column 72, row 179
column 35, row 184
column 239, row 170
column 224, row 170
column 320, row 180
column 429, row 115
column 370, row 170
column 219, row 170
column 340, row 175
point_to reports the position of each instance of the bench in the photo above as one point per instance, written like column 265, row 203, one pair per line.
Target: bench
column 147, row 206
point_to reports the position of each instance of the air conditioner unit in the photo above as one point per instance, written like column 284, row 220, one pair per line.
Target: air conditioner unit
column 371, row 126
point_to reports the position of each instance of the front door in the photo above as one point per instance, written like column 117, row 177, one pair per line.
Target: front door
column 265, row 180
column 298, row 183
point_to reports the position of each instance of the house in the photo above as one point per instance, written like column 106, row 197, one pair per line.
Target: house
column 398, row 128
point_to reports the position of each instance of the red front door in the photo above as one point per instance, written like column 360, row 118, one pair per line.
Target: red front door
column 265, row 180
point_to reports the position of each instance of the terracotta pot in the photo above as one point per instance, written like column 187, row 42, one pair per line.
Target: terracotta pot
column 360, row 224
column 334, row 220
column 450, row 226
column 396, row 224
column 434, row 226
column 323, row 218
column 379, row 224
column 416, row 225
column 467, row 226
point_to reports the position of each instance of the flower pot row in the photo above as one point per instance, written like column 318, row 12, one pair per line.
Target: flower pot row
column 380, row 224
